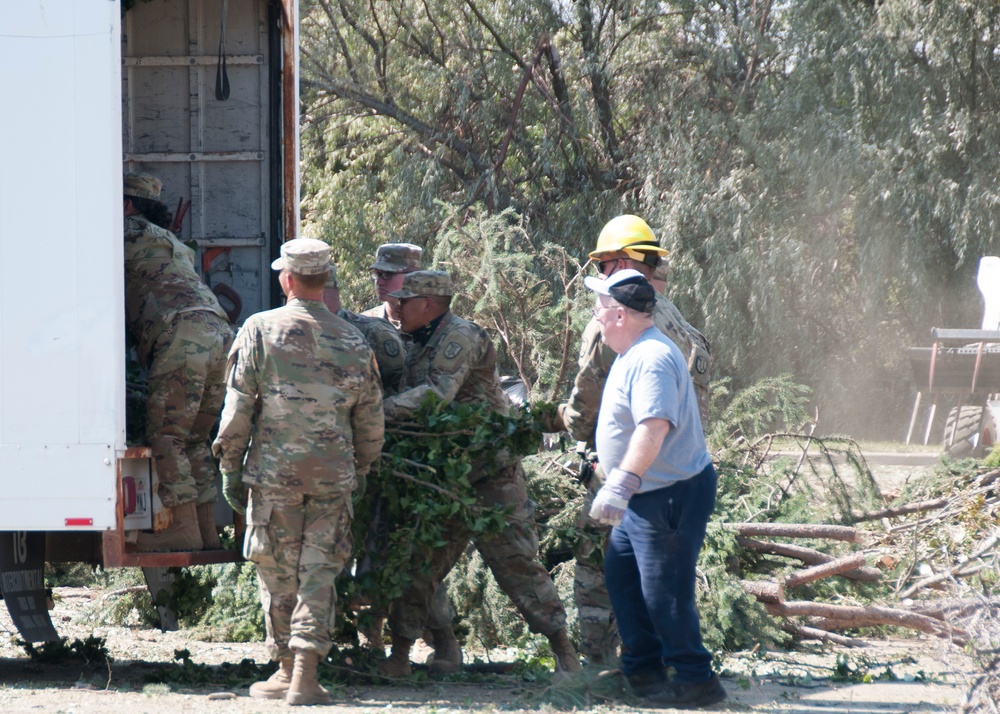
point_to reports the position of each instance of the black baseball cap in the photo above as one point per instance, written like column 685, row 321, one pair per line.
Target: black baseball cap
column 628, row 287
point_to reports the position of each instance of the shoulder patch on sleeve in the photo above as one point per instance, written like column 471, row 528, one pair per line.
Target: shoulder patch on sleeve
column 452, row 350
column 391, row 347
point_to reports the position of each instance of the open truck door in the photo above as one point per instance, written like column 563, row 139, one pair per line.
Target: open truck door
column 91, row 93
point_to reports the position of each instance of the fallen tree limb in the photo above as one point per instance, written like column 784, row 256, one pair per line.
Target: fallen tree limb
column 809, row 556
column 918, row 507
column 804, row 632
column 843, row 617
column 798, row 530
column 825, row 570
column 765, row 591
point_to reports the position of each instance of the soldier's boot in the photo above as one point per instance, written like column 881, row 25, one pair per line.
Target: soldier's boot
column 206, row 525
column 567, row 659
column 275, row 686
column 373, row 635
column 398, row 663
column 447, row 652
column 305, row 690
column 182, row 534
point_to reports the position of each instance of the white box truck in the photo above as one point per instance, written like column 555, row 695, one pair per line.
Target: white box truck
column 203, row 94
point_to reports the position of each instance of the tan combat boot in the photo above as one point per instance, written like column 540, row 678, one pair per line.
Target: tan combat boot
column 567, row 659
column 275, row 686
column 206, row 524
column 183, row 533
column 304, row 690
column 447, row 652
column 398, row 664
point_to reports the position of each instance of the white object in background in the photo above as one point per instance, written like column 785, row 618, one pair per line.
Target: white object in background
column 989, row 286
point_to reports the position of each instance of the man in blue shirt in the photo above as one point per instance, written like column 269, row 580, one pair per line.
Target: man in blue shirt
column 659, row 494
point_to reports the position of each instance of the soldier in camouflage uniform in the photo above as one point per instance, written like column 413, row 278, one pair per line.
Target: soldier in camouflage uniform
column 302, row 423
column 392, row 262
column 182, row 335
column 456, row 360
column 625, row 242
column 382, row 337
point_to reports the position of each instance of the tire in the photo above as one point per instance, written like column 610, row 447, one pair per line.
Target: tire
column 963, row 442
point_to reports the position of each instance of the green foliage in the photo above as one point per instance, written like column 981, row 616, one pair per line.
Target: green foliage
column 825, row 174
column 189, row 673
column 91, row 650
column 420, row 491
column 233, row 612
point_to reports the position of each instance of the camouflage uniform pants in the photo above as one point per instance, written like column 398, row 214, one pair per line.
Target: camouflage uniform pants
column 299, row 543
column 598, row 631
column 186, row 390
column 511, row 556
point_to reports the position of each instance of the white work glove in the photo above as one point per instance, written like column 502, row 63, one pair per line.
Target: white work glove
column 612, row 498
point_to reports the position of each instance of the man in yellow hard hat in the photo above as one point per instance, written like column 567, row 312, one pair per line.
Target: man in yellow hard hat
column 626, row 242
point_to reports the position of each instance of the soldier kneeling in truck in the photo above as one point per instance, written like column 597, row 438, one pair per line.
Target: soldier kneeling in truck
column 183, row 337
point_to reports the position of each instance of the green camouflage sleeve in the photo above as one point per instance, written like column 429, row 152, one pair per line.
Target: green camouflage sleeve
column 237, row 423
column 449, row 369
column 580, row 416
column 368, row 424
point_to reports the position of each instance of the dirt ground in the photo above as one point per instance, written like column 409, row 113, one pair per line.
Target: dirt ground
column 928, row 676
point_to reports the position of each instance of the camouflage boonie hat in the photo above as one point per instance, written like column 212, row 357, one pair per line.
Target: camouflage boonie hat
column 397, row 258
column 142, row 186
column 331, row 279
column 424, row 283
column 305, row 256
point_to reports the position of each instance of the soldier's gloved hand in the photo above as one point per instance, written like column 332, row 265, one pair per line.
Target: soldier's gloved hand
column 553, row 423
column 234, row 490
column 613, row 497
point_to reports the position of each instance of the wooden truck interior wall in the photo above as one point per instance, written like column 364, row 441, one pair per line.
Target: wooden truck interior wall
column 222, row 154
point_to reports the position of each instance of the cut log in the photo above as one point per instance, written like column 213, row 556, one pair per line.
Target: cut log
column 798, row 530
column 826, row 570
column 804, row 632
column 766, row 591
column 842, row 617
column 809, row 556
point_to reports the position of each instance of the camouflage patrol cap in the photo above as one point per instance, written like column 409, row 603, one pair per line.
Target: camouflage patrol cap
column 424, row 283
column 142, row 186
column 331, row 279
column 397, row 258
column 304, row 256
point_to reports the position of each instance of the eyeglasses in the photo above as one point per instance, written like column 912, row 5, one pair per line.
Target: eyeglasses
column 604, row 265
column 383, row 275
column 597, row 310
column 403, row 301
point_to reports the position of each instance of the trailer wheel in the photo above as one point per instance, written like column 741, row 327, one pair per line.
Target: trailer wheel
column 961, row 441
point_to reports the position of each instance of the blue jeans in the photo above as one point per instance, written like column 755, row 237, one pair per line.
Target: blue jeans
column 650, row 569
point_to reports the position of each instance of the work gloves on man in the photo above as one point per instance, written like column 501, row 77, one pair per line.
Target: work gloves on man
column 613, row 497
column 234, row 490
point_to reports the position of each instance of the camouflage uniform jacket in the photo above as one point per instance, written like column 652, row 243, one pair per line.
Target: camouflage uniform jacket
column 596, row 358
column 458, row 363
column 387, row 345
column 160, row 283
column 303, row 406
column 381, row 313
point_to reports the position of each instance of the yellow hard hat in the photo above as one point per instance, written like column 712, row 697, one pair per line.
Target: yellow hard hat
column 627, row 234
